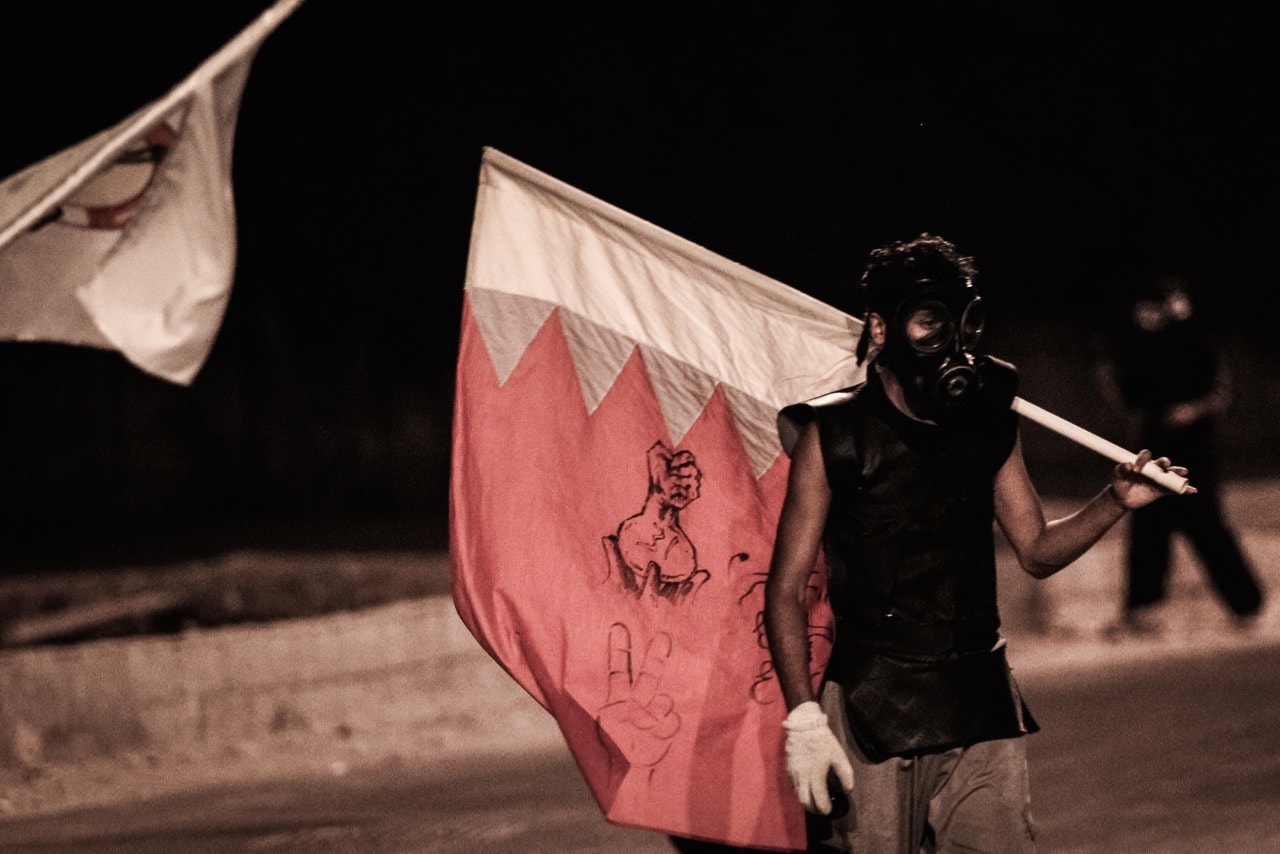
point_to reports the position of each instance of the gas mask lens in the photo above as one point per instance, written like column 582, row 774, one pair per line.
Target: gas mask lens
column 929, row 327
column 972, row 322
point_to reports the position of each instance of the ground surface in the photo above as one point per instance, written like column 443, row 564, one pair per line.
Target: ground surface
column 1135, row 756
column 1167, row 743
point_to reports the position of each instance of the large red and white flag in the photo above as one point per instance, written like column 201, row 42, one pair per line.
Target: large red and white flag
column 616, row 480
column 127, row 240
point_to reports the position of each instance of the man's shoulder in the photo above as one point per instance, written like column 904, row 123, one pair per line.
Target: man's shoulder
column 833, row 399
column 792, row 418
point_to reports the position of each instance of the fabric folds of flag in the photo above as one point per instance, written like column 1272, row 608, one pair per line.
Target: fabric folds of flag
column 127, row 240
column 616, row 479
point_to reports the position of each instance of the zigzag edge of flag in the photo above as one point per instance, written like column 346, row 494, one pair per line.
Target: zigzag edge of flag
column 508, row 323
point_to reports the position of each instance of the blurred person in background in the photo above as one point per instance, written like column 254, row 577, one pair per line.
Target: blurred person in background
column 1166, row 373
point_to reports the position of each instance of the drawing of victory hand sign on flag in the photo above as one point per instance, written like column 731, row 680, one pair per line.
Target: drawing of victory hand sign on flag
column 650, row 549
column 636, row 723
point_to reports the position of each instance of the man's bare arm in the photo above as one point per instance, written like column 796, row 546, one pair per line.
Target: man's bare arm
column 804, row 514
column 1044, row 547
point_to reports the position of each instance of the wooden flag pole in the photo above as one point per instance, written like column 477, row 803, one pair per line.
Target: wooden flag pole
column 1110, row 450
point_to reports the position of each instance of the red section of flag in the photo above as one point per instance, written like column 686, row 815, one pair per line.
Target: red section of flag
column 618, row 577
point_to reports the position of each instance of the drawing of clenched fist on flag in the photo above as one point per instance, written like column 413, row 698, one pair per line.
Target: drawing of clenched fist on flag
column 650, row 551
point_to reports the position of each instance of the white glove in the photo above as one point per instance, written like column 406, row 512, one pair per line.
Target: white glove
column 812, row 753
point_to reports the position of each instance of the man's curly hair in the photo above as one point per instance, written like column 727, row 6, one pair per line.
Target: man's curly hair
column 926, row 258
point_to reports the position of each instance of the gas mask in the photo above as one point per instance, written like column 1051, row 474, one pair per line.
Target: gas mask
column 930, row 342
column 1166, row 305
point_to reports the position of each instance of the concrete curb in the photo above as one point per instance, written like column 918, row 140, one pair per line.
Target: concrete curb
column 401, row 667
column 412, row 670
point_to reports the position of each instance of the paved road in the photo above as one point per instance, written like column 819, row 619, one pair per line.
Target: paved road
column 1179, row 756
column 1175, row 755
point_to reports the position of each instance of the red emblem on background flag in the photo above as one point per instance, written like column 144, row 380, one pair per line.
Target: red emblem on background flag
column 616, row 481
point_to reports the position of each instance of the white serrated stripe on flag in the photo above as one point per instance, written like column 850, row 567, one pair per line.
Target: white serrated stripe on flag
column 757, row 427
column 598, row 354
column 681, row 389
column 507, row 322
column 539, row 237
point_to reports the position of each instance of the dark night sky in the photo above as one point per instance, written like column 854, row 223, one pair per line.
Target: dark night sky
column 1063, row 146
column 1045, row 139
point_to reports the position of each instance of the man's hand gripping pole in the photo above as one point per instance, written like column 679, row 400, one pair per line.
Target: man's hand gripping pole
column 1173, row 482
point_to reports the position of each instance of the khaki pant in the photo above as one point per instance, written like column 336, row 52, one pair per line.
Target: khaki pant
column 974, row 799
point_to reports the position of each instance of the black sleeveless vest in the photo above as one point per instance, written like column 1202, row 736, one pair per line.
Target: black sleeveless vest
column 911, row 574
column 909, row 541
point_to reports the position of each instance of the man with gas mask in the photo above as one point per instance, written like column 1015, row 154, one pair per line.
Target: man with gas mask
column 915, row 731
